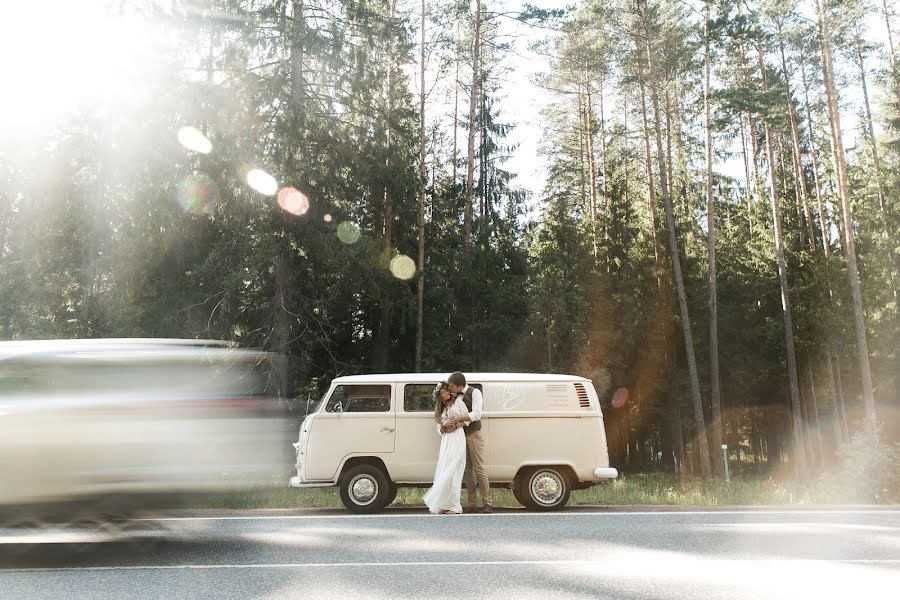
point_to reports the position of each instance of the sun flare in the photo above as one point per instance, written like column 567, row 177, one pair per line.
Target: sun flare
column 60, row 55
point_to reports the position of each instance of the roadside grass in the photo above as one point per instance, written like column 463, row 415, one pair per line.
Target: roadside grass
column 646, row 489
column 667, row 489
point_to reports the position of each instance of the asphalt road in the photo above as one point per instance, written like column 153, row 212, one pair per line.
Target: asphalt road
column 594, row 553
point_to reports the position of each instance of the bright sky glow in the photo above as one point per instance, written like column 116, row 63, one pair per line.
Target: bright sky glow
column 57, row 55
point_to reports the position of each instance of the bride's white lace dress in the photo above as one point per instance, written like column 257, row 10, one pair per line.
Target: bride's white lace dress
column 447, row 488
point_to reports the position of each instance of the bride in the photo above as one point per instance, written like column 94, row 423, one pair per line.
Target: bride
column 444, row 495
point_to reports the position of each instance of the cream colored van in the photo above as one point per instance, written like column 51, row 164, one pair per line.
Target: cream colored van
column 371, row 434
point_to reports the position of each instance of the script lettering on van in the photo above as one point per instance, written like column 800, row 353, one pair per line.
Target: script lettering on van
column 511, row 397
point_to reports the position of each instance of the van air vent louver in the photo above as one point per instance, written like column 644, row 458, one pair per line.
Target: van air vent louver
column 583, row 399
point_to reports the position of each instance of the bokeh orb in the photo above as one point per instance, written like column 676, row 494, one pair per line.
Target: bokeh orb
column 403, row 267
column 262, row 182
column 620, row 397
column 327, row 218
column 193, row 139
column 348, row 232
column 197, row 194
column 293, row 201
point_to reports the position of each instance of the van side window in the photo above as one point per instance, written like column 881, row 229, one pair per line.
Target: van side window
column 360, row 398
column 417, row 397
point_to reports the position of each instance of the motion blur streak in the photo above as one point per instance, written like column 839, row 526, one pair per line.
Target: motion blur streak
column 112, row 427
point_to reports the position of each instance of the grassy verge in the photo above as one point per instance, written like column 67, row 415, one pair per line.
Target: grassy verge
column 656, row 488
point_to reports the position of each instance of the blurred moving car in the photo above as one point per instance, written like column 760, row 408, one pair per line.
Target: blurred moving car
column 116, row 426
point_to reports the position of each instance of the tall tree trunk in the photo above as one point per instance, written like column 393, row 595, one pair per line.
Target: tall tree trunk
column 473, row 106
column 870, row 131
column 839, row 398
column 699, row 420
column 592, row 166
column 420, row 283
column 747, row 179
column 752, row 126
column 626, row 149
column 836, row 391
column 876, row 163
column 815, row 411
column 715, row 389
column 893, row 55
column 662, row 298
column 455, row 129
column 800, row 459
column 381, row 350
column 298, row 83
column 582, row 154
column 796, row 151
column 648, row 165
column 280, row 319
column 280, row 323
column 603, row 186
column 890, row 35
column 823, row 227
column 670, row 176
column 843, row 181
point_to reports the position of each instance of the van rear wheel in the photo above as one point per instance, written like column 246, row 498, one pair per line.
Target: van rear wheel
column 543, row 488
column 365, row 489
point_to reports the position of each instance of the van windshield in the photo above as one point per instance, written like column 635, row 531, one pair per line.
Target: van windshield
column 319, row 404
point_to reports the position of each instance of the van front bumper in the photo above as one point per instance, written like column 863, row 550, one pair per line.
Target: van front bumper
column 295, row 482
column 605, row 473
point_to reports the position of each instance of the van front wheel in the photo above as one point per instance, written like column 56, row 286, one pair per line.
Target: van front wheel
column 544, row 488
column 364, row 489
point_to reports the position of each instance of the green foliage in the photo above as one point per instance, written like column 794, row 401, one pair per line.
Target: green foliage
column 867, row 471
column 109, row 228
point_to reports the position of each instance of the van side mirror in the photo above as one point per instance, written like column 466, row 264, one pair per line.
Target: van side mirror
column 339, row 408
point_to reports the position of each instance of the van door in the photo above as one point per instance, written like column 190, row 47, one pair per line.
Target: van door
column 418, row 440
column 358, row 419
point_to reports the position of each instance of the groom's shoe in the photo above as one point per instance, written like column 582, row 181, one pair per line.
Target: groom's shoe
column 470, row 508
column 488, row 509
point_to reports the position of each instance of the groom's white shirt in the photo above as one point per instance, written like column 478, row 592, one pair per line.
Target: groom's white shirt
column 477, row 404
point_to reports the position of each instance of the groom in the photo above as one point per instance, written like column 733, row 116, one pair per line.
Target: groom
column 475, row 469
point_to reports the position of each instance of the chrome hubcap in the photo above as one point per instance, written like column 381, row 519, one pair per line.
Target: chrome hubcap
column 363, row 489
column 547, row 488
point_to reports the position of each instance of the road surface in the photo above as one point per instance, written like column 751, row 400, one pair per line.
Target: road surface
column 576, row 553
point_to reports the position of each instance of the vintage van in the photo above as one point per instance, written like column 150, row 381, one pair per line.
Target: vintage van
column 371, row 434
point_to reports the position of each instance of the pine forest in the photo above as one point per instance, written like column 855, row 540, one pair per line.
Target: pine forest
column 715, row 242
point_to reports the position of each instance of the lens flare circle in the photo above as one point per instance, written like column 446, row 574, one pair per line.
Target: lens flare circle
column 293, row 201
column 620, row 397
column 327, row 218
column 192, row 139
column 197, row 194
column 262, row 182
column 348, row 232
column 403, row 267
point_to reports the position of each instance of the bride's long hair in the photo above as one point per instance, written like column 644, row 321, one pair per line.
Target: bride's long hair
column 438, row 403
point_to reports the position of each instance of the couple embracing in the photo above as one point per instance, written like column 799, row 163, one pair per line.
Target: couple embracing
column 457, row 413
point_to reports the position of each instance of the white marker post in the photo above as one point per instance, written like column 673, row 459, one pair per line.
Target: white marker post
column 725, row 462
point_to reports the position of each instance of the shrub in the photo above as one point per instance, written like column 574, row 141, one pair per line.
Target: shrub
column 867, row 471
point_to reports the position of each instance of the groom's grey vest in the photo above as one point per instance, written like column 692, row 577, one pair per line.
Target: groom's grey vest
column 467, row 400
